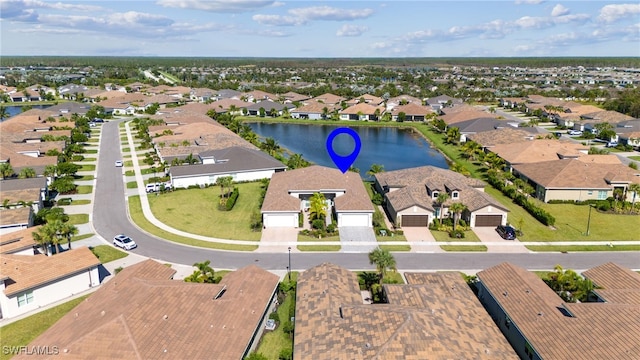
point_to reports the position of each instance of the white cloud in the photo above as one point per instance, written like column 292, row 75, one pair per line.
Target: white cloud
column 559, row 10
column 351, row 30
column 611, row 13
column 278, row 20
column 530, row 2
column 330, row 13
column 222, row 6
column 24, row 10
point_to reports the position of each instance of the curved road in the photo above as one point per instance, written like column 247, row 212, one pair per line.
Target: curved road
column 110, row 218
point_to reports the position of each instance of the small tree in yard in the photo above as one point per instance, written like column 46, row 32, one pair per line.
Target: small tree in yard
column 225, row 182
column 383, row 260
column 203, row 274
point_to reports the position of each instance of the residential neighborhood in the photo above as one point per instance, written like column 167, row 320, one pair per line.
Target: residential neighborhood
column 216, row 210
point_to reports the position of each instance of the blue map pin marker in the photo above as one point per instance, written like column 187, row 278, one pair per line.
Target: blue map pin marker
column 343, row 162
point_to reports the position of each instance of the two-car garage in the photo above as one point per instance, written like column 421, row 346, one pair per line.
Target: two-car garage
column 414, row 220
column 488, row 220
column 280, row 219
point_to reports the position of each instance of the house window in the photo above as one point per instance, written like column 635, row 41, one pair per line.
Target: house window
column 25, row 298
column 434, row 194
column 602, row 194
column 589, row 192
column 454, row 195
column 528, row 350
column 507, row 322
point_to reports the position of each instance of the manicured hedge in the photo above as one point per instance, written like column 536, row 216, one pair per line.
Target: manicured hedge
column 231, row 201
column 540, row 214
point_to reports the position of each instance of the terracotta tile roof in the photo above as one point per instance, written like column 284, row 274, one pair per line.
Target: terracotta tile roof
column 407, row 98
column 224, row 105
column 329, row 98
column 17, row 240
column 314, row 179
column 315, row 108
column 464, row 112
column 26, row 271
column 538, row 150
column 435, row 317
column 21, row 215
column 412, row 188
column 412, row 109
column 576, row 173
column 151, row 316
column 595, row 331
column 294, row 96
column 364, row 108
column 507, row 135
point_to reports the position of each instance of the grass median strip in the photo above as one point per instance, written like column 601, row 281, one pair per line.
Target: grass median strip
column 84, row 189
column 77, row 219
column 319, row 246
column 135, row 211
column 576, row 248
column 469, row 236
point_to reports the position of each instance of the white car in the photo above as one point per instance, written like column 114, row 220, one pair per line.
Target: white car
column 118, row 163
column 575, row 132
column 124, row 242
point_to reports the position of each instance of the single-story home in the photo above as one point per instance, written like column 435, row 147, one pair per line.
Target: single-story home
column 144, row 314
column 19, row 242
column 241, row 163
column 411, row 197
column 434, row 316
column 540, row 325
column 289, row 192
column 588, row 177
column 24, row 192
column 24, row 286
column 15, row 219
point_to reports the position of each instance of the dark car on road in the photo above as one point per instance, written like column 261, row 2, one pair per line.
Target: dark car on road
column 506, row 232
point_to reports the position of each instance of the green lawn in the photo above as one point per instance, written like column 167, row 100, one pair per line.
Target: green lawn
column 135, row 211
column 84, row 189
column 22, row 332
column 196, row 211
column 571, row 222
column 132, row 185
column 469, row 236
column 106, row 253
column 273, row 342
column 129, row 173
column 128, row 163
column 91, row 151
column 83, row 178
column 126, row 149
column 560, row 248
column 81, row 237
column 396, row 247
column 77, row 219
column 87, row 167
column 636, row 158
column 320, row 246
column 80, row 202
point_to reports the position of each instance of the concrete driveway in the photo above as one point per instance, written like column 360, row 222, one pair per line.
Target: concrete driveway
column 278, row 239
column 494, row 243
column 421, row 239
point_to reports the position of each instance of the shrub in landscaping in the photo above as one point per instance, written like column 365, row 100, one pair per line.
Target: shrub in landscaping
column 231, row 201
column 399, row 232
column 64, row 201
column 538, row 213
column 462, row 223
column 274, row 316
column 331, row 228
column 286, row 354
column 377, row 199
column 604, row 205
column 317, row 224
column 77, row 158
column 458, row 234
column 378, row 219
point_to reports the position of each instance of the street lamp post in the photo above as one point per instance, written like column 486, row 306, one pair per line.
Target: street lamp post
column 589, row 219
column 289, row 268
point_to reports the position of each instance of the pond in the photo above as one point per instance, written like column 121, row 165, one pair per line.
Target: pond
column 388, row 146
column 13, row 110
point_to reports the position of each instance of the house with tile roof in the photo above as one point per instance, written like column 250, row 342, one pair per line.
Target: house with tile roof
column 24, row 286
column 540, row 150
column 411, row 194
column 291, row 97
column 588, row 177
column 412, row 112
column 329, row 99
column 505, row 135
column 289, row 193
column 540, row 325
column 143, row 314
column 434, row 316
column 24, row 192
column 19, row 242
column 402, row 100
column 15, row 219
column 361, row 111
column 241, row 163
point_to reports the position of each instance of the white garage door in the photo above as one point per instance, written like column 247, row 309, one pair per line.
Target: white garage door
column 354, row 220
column 281, row 220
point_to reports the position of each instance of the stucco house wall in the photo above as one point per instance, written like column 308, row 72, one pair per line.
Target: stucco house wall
column 185, row 182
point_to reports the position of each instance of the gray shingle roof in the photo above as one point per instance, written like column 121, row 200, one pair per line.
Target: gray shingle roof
column 239, row 159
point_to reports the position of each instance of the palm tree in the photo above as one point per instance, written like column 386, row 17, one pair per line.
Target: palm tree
column 50, row 171
column 271, row 146
column 457, row 167
column 67, row 230
column 440, row 200
column 297, row 161
column 27, row 173
column 317, row 208
column 45, row 235
column 3, row 113
column 224, row 182
column 635, row 187
column 453, row 135
column 375, row 169
column 369, row 279
column 6, row 170
column 203, row 274
column 457, row 208
column 383, row 260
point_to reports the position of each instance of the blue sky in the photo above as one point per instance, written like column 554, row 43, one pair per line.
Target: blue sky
column 265, row 28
